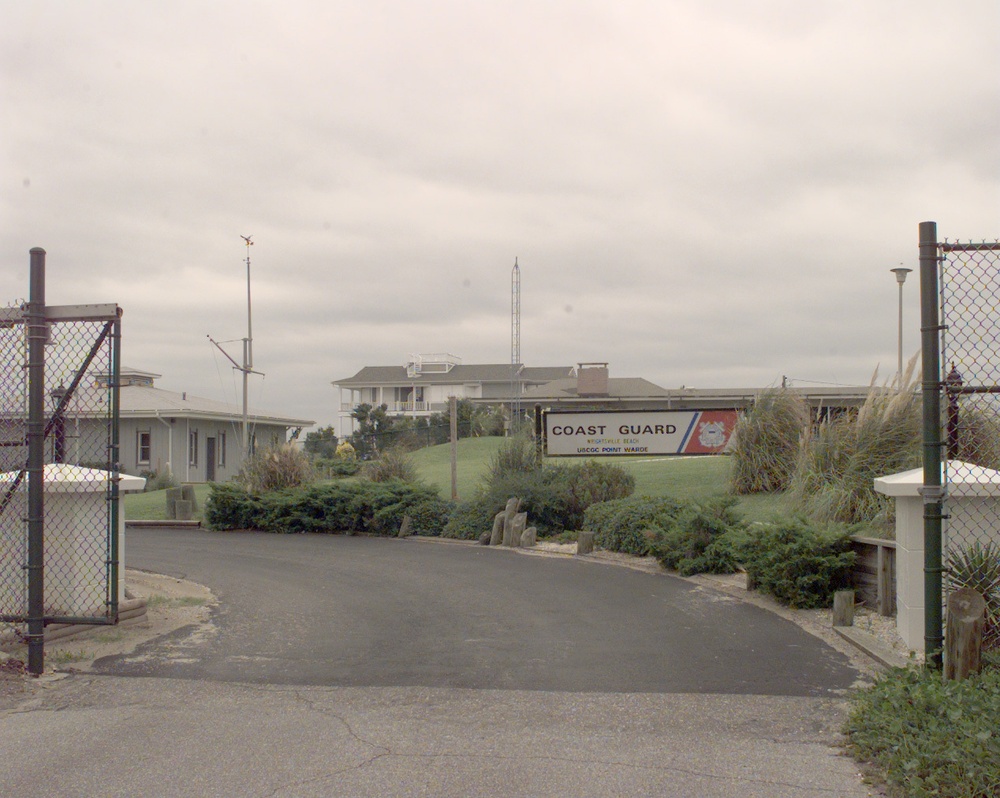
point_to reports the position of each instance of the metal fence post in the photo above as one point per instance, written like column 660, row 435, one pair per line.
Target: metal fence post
column 932, row 491
column 114, row 459
column 37, row 336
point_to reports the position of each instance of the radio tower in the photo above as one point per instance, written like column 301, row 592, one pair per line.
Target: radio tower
column 515, row 348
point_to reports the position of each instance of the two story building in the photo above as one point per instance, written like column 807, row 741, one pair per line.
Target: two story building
column 425, row 384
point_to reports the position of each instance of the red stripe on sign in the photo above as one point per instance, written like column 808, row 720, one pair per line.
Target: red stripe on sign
column 712, row 433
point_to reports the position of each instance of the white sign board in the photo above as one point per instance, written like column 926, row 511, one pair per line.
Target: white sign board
column 661, row 432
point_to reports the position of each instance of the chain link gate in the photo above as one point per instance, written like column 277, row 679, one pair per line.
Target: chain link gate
column 59, row 508
column 961, row 282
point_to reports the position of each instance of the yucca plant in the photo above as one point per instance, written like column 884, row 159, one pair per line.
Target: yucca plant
column 766, row 442
column 978, row 567
column 835, row 473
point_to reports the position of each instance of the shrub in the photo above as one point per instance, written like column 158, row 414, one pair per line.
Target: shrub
column 766, row 442
column 275, row 468
column 594, row 482
column 336, row 467
column 517, row 454
column 470, row 519
column 621, row 524
column 345, row 451
column 231, row 506
column 363, row 507
column 703, row 538
column 544, row 494
column 931, row 738
column 391, row 464
column 158, row 481
column 799, row 563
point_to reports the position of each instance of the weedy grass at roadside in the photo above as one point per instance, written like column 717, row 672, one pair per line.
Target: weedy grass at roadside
column 931, row 737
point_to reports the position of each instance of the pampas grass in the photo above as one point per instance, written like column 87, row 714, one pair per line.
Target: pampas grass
column 275, row 468
column 834, row 478
column 766, row 442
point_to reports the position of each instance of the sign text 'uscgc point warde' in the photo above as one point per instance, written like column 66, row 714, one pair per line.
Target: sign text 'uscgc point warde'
column 636, row 433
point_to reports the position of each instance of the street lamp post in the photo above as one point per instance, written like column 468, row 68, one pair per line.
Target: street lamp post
column 900, row 272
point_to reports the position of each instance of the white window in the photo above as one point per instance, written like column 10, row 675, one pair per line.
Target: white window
column 143, row 445
column 193, row 447
column 222, row 448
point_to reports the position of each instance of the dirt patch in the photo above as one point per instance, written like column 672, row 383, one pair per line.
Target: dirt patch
column 170, row 605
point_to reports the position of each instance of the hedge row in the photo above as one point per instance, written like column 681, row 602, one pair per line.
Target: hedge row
column 359, row 507
column 799, row 563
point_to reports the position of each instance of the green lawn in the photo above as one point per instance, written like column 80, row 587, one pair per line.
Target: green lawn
column 690, row 478
column 152, row 506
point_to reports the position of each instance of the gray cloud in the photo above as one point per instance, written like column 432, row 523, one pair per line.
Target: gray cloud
column 705, row 193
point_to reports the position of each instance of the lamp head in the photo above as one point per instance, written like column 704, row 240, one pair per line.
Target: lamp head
column 901, row 272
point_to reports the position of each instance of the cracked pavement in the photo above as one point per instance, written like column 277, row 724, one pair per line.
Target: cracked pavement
column 267, row 700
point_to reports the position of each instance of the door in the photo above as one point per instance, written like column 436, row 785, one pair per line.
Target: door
column 210, row 459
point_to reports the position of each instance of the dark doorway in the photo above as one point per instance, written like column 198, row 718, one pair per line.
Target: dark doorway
column 210, row 459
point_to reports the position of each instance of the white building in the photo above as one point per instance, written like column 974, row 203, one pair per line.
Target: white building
column 426, row 383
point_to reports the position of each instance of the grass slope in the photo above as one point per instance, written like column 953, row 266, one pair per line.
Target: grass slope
column 691, row 478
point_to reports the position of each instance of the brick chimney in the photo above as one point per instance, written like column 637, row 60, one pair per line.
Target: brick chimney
column 592, row 379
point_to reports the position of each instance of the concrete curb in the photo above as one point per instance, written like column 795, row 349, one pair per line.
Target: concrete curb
column 162, row 523
column 870, row 645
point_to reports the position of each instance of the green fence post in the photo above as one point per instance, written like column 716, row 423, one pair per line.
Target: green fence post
column 932, row 491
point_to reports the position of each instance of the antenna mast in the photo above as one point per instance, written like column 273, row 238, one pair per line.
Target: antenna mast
column 515, row 347
column 247, row 367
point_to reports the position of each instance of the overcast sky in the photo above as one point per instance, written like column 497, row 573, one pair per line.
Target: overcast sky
column 699, row 192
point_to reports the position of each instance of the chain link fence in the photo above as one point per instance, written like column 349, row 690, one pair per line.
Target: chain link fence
column 13, row 458
column 59, row 514
column 969, row 279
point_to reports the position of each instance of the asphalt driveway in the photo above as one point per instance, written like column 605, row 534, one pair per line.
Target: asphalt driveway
column 374, row 612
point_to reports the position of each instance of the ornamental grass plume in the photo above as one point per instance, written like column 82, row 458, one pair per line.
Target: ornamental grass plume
column 766, row 442
column 275, row 468
column 837, row 467
column 978, row 434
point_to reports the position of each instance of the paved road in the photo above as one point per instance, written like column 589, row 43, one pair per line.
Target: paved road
column 368, row 668
column 351, row 611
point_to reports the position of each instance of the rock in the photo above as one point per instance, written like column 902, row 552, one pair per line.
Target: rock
column 529, row 537
column 173, row 496
column 484, row 539
column 496, row 537
column 517, row 525
column 183, row 510
column 584, row 542
column 513, row 505
column 406, row 527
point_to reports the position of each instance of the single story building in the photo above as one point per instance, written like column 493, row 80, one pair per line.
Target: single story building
column 195, row 439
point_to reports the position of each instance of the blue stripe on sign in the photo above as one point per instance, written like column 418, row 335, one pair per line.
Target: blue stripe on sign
column 690, row 430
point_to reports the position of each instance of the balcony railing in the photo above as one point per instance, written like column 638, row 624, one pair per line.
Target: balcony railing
column 402, row 408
